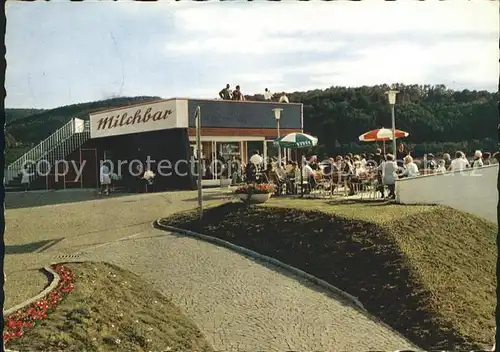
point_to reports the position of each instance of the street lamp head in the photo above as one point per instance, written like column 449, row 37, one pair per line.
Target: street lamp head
column 391, row 95
column 277, row 113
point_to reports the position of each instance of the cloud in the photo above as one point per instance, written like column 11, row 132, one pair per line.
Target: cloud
column 338, row 18
column 343, row 43
column 251, row 45
column 195, row 48
column 466, row 61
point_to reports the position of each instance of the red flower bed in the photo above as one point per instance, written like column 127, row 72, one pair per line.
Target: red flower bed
column 26, row 318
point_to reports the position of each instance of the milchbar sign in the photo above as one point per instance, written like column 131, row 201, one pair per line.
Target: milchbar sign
column 140, row 118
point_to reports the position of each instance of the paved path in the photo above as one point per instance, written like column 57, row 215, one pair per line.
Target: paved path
column 239, row 304
column 41, row 225
column 243, row 305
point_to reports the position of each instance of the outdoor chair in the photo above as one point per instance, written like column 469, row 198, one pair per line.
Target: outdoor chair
column 290, row 187
column 150, row 186
column 301, row 184
column 278, row 182
column 357, row 186
column 370, row 188
column 324, row 187
column 339, row 182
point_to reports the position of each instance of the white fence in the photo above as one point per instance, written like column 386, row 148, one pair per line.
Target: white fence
column 472, row 190
column 41, row 150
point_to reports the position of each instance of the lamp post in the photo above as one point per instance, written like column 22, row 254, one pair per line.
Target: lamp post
column 197, row 117
column 277, row 116
column 391, row 95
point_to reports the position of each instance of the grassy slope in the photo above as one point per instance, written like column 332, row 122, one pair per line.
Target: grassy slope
column 426, row 271
column 112, row 310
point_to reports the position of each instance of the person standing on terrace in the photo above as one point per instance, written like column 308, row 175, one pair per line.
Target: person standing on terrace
column 256, row 159
column 459, row 163
column 400, row 154
column 389, row 170
column 378, row 158
column 226, row 93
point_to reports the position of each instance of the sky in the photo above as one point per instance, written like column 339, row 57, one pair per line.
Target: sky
column 60, row 53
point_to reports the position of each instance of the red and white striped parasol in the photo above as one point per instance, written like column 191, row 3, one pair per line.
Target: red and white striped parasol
column 381, row 134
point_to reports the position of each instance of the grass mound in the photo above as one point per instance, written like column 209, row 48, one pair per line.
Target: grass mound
column 426, row 271
column 112, row 310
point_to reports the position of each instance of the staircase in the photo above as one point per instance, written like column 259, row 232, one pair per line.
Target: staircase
column 56, row 147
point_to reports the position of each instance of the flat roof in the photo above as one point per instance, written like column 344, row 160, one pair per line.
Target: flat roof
column 214, row 100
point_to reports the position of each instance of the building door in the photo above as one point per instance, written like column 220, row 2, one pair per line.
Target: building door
column 90, row 173
column 253, row 146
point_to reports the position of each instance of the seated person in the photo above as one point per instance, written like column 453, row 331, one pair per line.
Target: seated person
column 329, row 168
column 251, row 173
column 291, row 177
column 411, row 169
column 486, row 158
column 314, row 166
column 268, row 173
column 441, row 167
column 276, row 179
column 431, row 163
column 358, row 167
column 370, row 163
column 347, row 167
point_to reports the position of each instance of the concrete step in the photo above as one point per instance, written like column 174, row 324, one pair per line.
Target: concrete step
column 14, row 189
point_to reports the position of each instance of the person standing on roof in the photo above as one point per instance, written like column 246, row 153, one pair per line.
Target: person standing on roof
column 237, row 94
column 284, row 98
column 226, row 93
column 268, row 95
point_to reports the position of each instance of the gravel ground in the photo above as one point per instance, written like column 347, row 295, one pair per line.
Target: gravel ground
column 43, row 225
column 241, row 304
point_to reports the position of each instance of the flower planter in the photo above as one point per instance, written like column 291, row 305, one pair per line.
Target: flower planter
column 242, row 196
column 255, row 198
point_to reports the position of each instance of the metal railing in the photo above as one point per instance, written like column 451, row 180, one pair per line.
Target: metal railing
column 48, row 148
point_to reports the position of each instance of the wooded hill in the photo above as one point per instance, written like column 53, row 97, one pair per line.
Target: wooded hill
column 17, row 114
column 438, row 119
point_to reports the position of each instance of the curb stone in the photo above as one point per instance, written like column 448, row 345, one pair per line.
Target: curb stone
column 275, row 262
column 52, row 286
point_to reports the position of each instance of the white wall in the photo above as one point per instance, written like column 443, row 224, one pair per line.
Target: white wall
column 473, row 191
